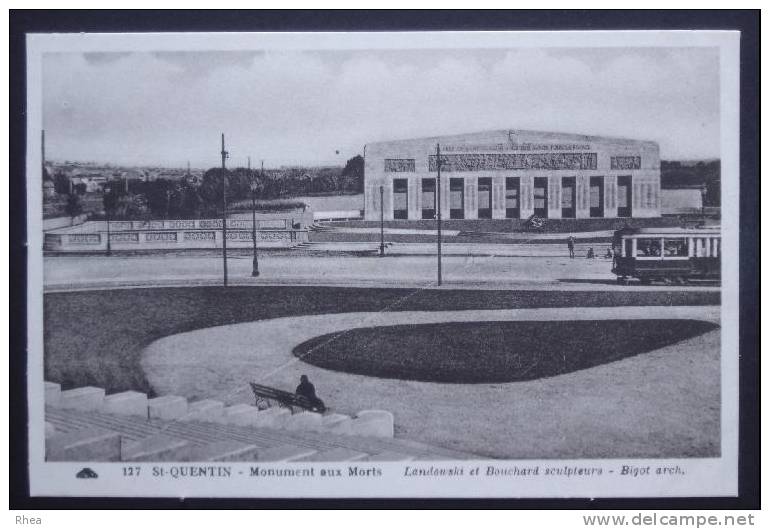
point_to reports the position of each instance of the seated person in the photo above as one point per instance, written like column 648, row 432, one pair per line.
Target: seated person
column 307, row 390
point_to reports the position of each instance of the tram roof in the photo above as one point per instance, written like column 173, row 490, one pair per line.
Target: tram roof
column 685, row 232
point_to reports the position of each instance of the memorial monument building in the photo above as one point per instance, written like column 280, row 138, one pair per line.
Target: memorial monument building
column 513, row 174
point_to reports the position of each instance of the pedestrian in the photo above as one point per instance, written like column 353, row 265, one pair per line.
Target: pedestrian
column 590, row 253
column 307, row 389
column 571, row 246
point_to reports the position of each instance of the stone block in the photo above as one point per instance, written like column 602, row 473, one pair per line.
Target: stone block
column 222, row 451
column 168, row 407
column 126, row 403
column 306, row 420
column 240, row 414
column 52, row 393
column 204, row 410
column 88, row 444
column 376, row 423
column 336, row 423
column 390, row 456
column 88, row 398
column 272, row 417
column 284, row 453
column 50, row 430
column 335, row 454
column 157, row 448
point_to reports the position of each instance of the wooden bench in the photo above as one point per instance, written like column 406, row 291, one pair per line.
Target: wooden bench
column 285, row 399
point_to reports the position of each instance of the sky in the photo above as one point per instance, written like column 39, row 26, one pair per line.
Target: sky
column 322, row 107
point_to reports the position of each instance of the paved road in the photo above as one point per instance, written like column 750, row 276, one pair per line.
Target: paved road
column 64, row 272
column 664, row 403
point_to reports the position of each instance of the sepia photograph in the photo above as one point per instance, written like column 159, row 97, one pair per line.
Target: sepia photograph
column 436, row 264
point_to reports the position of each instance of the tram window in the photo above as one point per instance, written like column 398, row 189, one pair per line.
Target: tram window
column 701, row 247
column 675, row 248
column 648, row 247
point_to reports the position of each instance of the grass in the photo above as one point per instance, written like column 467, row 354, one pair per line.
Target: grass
column 491, row 352
column 97, row 337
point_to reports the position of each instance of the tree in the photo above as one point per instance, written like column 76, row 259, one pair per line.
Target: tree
column 161, row 195
column 353, row 175
column 211, row 191
column 61, row 183
column 190, row 201
column 73, row 207
column 110, row 199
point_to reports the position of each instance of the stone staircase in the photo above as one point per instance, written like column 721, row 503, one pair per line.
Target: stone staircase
column 321, row 227
column 84, row 424
column 354, row 248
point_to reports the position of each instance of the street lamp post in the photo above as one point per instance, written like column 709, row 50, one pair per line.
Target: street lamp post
column 382, row 223
column 254, row 186
column 703, row 192
column 107, row 190
column 438, row 210
column 224, row 154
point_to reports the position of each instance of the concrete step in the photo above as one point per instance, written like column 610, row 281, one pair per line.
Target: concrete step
column 132, row 429
column 285, row 452
column 52, row 393
column 196, row 434
column 87, row 398
column 167, row 407
column 87, row 444
column 335, row 454
column 158, row 447
column 204, row 410
column 126, row 403
column 390, row 456
column 223, row 451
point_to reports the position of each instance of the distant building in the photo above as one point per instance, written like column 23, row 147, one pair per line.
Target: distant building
column 49, row 189
column 681, row 200
column 93, row 183
column 513, row 174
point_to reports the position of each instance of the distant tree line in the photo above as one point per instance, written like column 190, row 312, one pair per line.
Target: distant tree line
column 185, row 198
column 695, row 174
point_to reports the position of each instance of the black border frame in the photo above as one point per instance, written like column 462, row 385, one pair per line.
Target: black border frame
column 111, row 21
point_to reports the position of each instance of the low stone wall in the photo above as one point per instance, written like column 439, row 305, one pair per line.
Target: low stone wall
column 273, row 223
column 167, row 239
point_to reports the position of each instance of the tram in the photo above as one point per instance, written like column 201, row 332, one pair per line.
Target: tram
column 670, row 255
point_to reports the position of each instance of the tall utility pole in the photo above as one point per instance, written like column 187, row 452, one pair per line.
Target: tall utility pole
column 382, row 223
column 438, row 208
column 108, row 190
column 224, row 210
column 254, row 187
